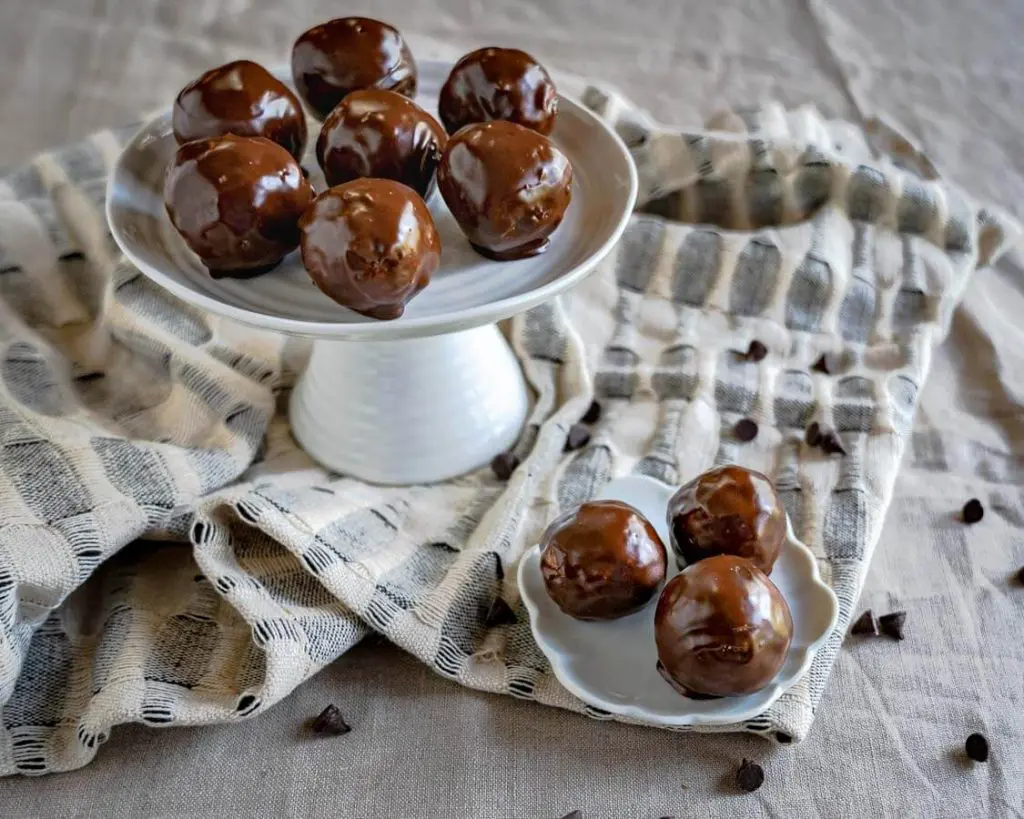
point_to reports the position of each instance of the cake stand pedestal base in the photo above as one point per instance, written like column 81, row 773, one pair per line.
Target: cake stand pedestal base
column 410, row 411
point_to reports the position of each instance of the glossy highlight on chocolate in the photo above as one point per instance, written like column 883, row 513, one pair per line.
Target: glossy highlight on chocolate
column 499, row 83
column 722, row 629
column 381, row 134
column 236, row 201
column 240, row 98
column 333, row 59
column 602, row 561
column 370, row 245
column 508, row 188
column 728, row 510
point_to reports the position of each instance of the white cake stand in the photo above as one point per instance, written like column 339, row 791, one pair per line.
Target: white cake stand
column 431, row 395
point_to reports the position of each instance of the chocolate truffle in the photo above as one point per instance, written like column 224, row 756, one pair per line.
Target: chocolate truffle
column 370, row 245
column 347, row 54
column 507, row 186
column 602, row 561
column 382, row 134
column 498, row 83
column 728, row 510
column 236, row 201
column 722, row 628
column 244, row 99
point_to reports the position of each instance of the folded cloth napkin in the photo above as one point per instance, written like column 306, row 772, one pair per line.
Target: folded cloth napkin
column 168, row 555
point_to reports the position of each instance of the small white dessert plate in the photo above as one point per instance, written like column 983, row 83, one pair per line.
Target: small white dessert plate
column 611, row 665
column 466, row 291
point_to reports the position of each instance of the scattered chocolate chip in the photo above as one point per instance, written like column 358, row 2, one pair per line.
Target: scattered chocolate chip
column 499, row 614
column 593, row 413
column 579, row 436
column 865, row 624
column 831, row 443
column 827, row 363
column 499, row 567
column 330, row 722
column 1020, row 575
column 977, row 748
column 783, row 738
column 812, row 435
column 573, row 815
column 891, row 625
column 745, row 429
column 504, row 464
column 756, row 351
column 750, row 776
column 973, row 511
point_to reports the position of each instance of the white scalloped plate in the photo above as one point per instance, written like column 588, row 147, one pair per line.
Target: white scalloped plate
column 466, row 291
column 611, row 665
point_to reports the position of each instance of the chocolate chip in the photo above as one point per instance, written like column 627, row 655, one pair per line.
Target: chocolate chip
column 783, row 738
column 593, row 413
column 504, row 465
column 756, row 351
column 891, row 625
column 745, row 429
column 977, row 748
column 831, row 443
column 579, row 436
column 330, row 722
column 499, row 614
column 499, row 567
column 1020, row 575
column 573, row 815
column 865, row 624
column 750, row 776
column 827, row 363
column 973, row 511
column 812, row 435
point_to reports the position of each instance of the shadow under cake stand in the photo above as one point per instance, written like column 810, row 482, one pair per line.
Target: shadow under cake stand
column 435, row 393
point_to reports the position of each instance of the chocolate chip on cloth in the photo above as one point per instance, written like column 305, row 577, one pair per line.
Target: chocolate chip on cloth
column 976, row 748
column 973, row 511
column 330, row 722
column 578, row 437
column 504, row 464
column 756, row 351
column 865, row 624
column 745, row 430
column 750, row 776
column 891, row 625
column 593, row 413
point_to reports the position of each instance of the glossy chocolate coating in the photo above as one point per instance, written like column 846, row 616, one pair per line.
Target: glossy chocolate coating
column 347, row 54
column 244, row 99
column 728, row 510
column 498, row 83
column 722, row 628
column 381, row 134
column 602, row 561
column 507, row 186
column 370, row 245
column 236, row 201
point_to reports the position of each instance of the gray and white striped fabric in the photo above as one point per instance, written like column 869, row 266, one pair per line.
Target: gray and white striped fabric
column 168, row 556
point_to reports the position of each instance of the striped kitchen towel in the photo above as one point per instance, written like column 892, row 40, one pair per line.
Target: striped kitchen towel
column 168, row 556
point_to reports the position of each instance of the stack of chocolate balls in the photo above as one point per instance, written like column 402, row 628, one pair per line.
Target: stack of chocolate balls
column 237, row 195
column 722, row 628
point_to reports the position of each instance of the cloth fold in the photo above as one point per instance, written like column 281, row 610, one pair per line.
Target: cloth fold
column 128, row 418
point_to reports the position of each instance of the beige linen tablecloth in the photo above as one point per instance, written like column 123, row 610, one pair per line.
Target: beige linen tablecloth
column 893, row 717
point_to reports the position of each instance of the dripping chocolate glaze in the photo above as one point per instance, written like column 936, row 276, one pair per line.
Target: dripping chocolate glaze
column 498, row 83
column 602, row 561
column 347, row 54
column 236, row 201
column 722, row 628
column 370, row 245
column 507, row 186
column 379, row 133
column 244, row 99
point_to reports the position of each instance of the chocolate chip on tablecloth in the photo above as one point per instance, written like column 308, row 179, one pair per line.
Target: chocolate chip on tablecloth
column 756, row 351
column 973, row 511
column 865, row 624
column 891, row 625
column 831, row 443
column 499, row 614
column 330, row 722
column 812, row 435
column 745, row 429
column 593, row 413
column 578, row 437
column 750, row 776
column 504, row 464
column 827, row 363
column 976, row 747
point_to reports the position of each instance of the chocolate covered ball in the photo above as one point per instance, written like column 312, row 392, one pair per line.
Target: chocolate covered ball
column 348, row 54
column 508, row 188
column 236, row 201
column 498, row 83
column 728, row 510
column 244, row 99
column 370, row 245
column 722, row 628
column 602, row 561
column 382, row 134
